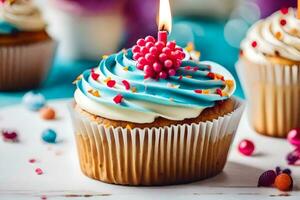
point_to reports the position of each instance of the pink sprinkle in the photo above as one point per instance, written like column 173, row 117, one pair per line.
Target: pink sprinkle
column 180, row 77
column 118, row 99
column 10, row 136
column 195, row 69
column 126, row 84
column 32, row 160
column 38, row 171
column 111, row 83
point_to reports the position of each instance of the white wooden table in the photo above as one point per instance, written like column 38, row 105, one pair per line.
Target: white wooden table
column 62, row 178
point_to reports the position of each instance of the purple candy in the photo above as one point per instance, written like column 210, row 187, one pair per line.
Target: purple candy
column 293, row 157
column 267, row 178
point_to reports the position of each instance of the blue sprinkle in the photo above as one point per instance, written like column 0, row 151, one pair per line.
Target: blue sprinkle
column 49, row 136
column 34, row 101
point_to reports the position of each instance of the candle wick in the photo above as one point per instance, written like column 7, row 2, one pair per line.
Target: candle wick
column 163, row 28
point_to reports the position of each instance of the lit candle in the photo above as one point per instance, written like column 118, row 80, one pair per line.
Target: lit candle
column 165, row 21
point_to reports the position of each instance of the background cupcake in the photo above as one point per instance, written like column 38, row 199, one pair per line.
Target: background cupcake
column 86, row 29
column 26, row 50
column 269, row 71
column 136, row 131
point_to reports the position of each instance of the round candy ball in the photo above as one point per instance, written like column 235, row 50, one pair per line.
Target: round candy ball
column 47, row 113
column 294, row 137
column 283, row 182
column 49, row 136
column 33, row 101
column 246, row 147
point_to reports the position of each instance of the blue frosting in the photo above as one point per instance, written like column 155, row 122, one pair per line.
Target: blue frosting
column 149, row 90
column 7, row 28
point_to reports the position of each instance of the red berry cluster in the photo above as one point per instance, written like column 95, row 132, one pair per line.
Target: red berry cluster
column 157, row 59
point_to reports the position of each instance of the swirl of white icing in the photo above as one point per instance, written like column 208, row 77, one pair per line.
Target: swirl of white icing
column 277, row 35
column 23, row 15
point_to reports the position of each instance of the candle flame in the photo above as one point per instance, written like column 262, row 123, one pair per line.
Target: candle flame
column 165, row 17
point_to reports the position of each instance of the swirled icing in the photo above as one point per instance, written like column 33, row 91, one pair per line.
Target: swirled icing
column 173, row 98
column 277, row 35
column 20, row 15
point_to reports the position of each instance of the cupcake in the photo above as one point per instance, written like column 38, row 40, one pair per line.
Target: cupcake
column 85, row 29
column 134, row 126
column 268, row 68
column 26, row 50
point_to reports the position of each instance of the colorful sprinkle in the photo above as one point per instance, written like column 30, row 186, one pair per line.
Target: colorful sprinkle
column 195, row 69
column 126, row 68
column 229, row 83
column 294, row 137
column 47, row 113
column 190, row 47
column 219, row 92
column 189, row 76
column 32, row 160
column 284, row 11
column 170, row 85
column 198, row 91
column 95, row 76
column 111, row 83
column 211, row 75
column 187, row 67
column 283, row 22
column 180, row 77
column 104, row 56
column 49, row 136
column 118, row 99
column 133, row 89
column 254, row 44
column 107, row 79
column 205, row 91
column 39, row 171
column 10, row 136
column 77, row 79
column 126, row 84
column 278, row 35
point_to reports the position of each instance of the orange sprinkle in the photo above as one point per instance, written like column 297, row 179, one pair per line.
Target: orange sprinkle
column 229, row 83
column 107, row 79
column 77, row 79
column 278, row 35
column 190, row 47
column 188, row 76
column 133, row 89
column 205, row 91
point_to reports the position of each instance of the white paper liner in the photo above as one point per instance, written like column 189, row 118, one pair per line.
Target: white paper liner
column 25, row 66
column 273, row 93
column 154, row 156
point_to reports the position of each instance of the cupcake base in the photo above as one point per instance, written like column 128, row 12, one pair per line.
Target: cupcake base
column 273, row 93
column 154, row 156
column 25, row 66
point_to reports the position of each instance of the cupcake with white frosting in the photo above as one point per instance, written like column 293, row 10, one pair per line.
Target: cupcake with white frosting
column 269, row 68
column 26, row 50
column 168, row 129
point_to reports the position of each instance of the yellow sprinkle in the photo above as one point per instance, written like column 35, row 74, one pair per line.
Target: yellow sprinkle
column 77, row 79
column 133, row 89
column 96, row 93
column 229, row 83
column 128, row 127
column 188, row 76
column 107, row 79
column 125, row 68
column 197, row 54
column 225, row 94
column 205, row 91
column 104, row 56
column 278, row 35
column 294, row 31
column 190, row 47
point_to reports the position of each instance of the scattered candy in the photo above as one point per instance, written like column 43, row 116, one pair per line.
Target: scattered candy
column 49, row 136
column 31, row 160
column 294, row 137
column 34, row 101
column 281, row 179
column 246, row 147
column 157, row 59
column 283, row 182
column 9, row 136
column 254, row 44
column 126, row 84
column 38, row 171
column 111, row 83
column 47, row 113
column 267, row 179
column 293, row 157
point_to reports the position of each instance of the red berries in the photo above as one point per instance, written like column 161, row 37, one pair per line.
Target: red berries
column 157, row 59
column 246, row 147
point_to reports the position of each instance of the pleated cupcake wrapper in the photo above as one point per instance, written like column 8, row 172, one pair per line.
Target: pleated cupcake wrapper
column 154, row 156
column 273, row 93
column 25, row 66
